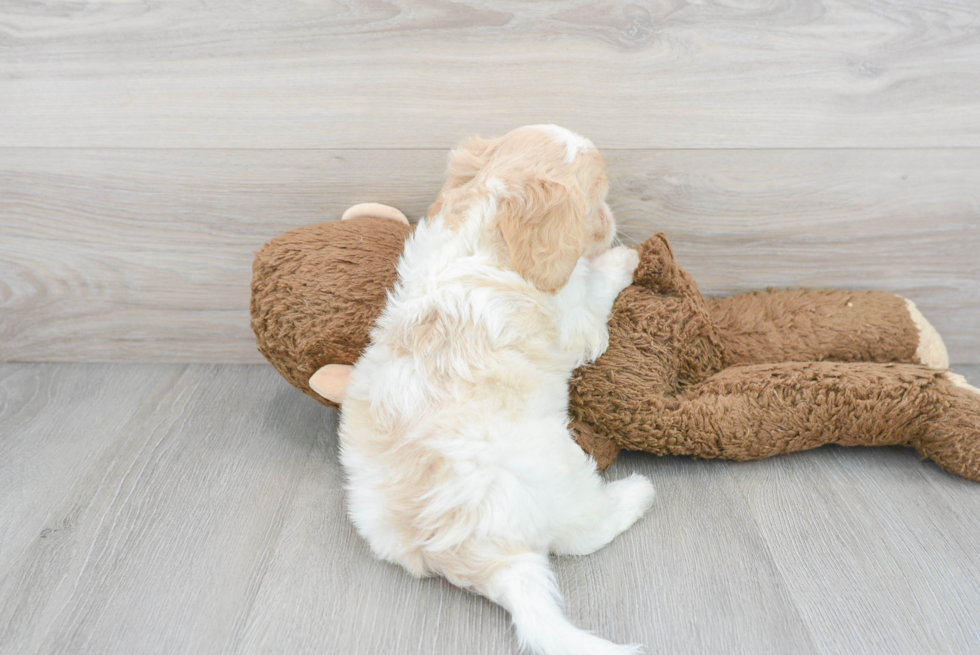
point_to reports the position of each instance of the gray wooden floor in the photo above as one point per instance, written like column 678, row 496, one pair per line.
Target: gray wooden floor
column 198, row 509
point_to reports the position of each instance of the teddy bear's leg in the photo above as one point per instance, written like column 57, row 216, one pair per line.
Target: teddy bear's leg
column 954, row 441
column 601, row 448
column 757, row 411
column 825, row 324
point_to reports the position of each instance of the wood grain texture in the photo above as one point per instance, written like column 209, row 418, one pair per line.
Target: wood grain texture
column 53, row 437
column 865, row 540
column 162, row 543
column 712, row 581
column 200, row 509
column 418, row 74
column 145, row 255
column 339, row 595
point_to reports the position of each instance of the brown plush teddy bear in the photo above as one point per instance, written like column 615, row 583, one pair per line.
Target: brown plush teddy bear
column 742, row 378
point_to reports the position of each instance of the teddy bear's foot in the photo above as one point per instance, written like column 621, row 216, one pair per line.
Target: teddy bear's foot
column 954, row 441
column 374, row 210
column 931, row 350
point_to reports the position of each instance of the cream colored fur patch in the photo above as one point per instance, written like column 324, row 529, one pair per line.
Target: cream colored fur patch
column 931, row 351
column 960, row 381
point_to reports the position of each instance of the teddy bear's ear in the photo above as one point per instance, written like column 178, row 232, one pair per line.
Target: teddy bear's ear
column 330, row 381
column 374, row 210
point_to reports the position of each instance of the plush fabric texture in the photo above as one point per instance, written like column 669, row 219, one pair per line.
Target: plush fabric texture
column 745, row 377
column 317, row 291
column 814, row 325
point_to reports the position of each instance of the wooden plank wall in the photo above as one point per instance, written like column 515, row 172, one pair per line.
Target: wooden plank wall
column 146, row 150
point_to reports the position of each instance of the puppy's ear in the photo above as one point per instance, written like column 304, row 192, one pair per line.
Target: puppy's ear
column 465, row 161
column 541, row 221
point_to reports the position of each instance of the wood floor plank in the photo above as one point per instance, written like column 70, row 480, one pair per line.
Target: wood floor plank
column 422, row 73
column 666, row 583
column 161, row 546
column 877, row 559
column 694, row 575
column 57, row 423
column 325, row 592
column 211, row 518
column 145, row 255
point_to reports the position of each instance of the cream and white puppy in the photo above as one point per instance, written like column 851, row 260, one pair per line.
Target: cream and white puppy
column 454, row 430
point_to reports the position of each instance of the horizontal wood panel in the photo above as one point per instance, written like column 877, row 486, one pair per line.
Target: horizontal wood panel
column 420, row 74
column 145, row 255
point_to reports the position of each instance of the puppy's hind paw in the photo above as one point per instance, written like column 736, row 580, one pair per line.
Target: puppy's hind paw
column 634, row 496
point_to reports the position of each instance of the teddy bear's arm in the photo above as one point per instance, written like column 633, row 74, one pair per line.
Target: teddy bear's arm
column 800, row 325
column 757, row 411
column 602, row 449
column 823, row 324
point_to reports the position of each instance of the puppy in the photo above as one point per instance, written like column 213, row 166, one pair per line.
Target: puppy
column 454, row 430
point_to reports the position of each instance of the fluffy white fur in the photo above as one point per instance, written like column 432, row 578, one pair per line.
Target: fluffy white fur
column 454, row 431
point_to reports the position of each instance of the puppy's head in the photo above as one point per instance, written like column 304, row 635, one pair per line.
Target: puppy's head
column 545, row 189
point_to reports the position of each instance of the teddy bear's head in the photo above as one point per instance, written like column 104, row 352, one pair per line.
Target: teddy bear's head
column 317, row 291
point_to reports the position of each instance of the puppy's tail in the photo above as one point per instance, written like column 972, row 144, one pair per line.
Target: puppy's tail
column 525, row 586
